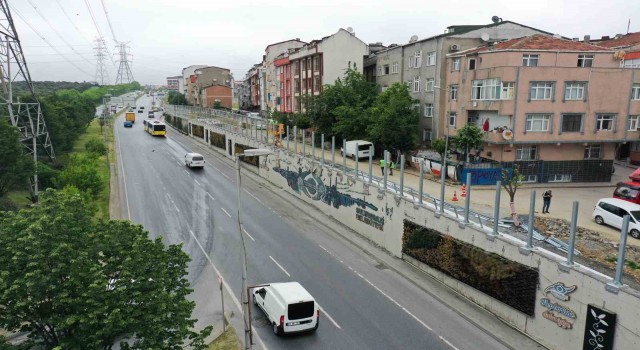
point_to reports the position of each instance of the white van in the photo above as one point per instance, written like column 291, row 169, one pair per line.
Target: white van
column 363, row 149
column 194, row 160
column 288, row 307
column 611, row 211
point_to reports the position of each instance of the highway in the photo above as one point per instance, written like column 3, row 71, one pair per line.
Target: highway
column 363, row 304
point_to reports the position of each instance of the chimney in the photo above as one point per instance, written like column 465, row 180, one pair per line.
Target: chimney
column 605, row 37
column 576, row 39
column 618, row 36
column 587, row 39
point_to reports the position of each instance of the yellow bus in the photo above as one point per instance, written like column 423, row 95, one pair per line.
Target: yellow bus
column 155, row 127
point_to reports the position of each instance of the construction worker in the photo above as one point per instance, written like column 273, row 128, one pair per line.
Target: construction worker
column 382, row 165
column 391, row 167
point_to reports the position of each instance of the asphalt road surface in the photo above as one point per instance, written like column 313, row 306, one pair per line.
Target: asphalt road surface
column 363, row 304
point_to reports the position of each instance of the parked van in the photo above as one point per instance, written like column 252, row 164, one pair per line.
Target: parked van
column 194, row 160
column 288, row 307
column 611, row 211
column 362, row 152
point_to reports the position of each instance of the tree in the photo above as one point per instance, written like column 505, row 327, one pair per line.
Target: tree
column 511, row 181
column 176, row 98
column 469, row 137
column 15, row 167
column 81, row 173
column 78, row 284
column 440, row 146
column 217, row 105
column 394, row 119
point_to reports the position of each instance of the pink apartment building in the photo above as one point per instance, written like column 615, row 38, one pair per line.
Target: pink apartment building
column 559, row 108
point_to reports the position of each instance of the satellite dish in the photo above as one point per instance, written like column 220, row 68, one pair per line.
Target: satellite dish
column 349, row 29
column 413, row 38
column 496, row 19
column 485, row 36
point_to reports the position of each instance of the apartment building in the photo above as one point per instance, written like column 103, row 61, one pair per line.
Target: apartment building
column 175, row 83
column 212, row 84
column 559, row 108
column 189, row 79
column 253, row 81
column 271, row 97
column 304, row 70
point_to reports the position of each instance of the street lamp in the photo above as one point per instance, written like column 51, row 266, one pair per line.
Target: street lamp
column 245, row 302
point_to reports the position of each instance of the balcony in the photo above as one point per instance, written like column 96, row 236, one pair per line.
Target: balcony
column 498, row 136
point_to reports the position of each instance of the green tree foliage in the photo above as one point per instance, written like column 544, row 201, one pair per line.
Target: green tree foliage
column 43, row 88
column 96, row 147
column 394, row 119
column 176, row 98
column 439, row 146
column 469, row 137
column 74, row 283
column 81, row 172
column 15, row 166
column 511, row 181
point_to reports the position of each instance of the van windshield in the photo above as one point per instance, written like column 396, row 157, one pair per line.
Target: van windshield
column 636, row 215
column 300, row 310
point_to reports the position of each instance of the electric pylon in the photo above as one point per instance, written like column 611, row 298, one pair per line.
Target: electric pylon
column 124, row 71
column 25, row 116
column 102, row 76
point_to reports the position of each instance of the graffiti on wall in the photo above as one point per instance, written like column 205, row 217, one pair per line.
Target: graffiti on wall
column 370, row 219
column 561, row 315
column 308, row 183
column 599, row 330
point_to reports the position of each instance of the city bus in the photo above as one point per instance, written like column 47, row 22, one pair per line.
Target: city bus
column 155, row 127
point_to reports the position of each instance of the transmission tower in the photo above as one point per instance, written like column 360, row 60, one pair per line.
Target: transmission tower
column 102, row 76
column 25, row 116
column 124, row 71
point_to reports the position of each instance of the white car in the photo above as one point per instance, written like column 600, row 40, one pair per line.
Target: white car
column 611, row 211
column 194, row 160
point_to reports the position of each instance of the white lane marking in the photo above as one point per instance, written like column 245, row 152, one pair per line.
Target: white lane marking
column 175, row 206
column 329, row 317
column 179, row 162
column 186, row 172
column 197, row 182
column 245, row 231
column 254, row 197
column 446, row 341
column 226, row 212
column 210, row 196
column 225, row 284
column 280, row 266
column 223, row 174
column 124, row 177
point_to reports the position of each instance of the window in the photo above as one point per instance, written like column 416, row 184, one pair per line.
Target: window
column 386, row 69
column 487, row 89
column 416, row 84
column 303, row 65
column 571, row 122
column 426, row 134
column 633, row 122
column 574, row 91
column 455, row 64
column 527, row 152
column 529, row 178
column 560, row 178
column 394, row 68
column 472, row 63
column 295, row 68
column 428, row 110
column 430, row 84
column 592, row 151
column 316, row 64
column 316, row 84
column 530, row 60
column 379, row 70
column 453, row 92
column 541, row 90
column 417, row 59
column 585, row 60
column 508, row 89
column 452, row 119
column 538, row 122
column 604, row 122
column 431, row 58
column 635, row 92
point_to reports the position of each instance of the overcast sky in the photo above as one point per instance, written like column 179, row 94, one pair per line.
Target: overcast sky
column 168, row 35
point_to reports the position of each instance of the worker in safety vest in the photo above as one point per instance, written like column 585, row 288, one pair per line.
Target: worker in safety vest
column 382, row 165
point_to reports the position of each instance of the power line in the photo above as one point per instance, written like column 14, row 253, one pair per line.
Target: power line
column 95, row 23
column 72, row 23
column 113, row 34
column 47, row 42
column 57, row 33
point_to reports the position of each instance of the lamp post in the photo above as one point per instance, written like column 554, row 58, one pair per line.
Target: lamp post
column 245, row 302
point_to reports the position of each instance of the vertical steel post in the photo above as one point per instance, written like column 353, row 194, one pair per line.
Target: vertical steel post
column 313, row 145
column 322, row 148
column 344, row 156
column 421, row 182
column 356, row 160
column 295, row 139
column 467, row 202
column 572, row 234
column 288, row 138
column 622, row 248
column 402, row 175
column 370, row 163
column 304, row 144
column 532, row 210
column 386, row 169
column 333, row 151
column 443, row 176
column 496, row 209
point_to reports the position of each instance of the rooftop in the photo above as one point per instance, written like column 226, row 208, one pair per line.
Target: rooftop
column 537, row 42
column 630, row 39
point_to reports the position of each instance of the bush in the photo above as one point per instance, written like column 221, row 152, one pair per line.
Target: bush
column 81, row 173
column 7, row 204
column 95, row 146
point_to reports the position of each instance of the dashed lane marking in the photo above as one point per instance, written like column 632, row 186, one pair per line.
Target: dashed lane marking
column 226, row 212
column 280, row 266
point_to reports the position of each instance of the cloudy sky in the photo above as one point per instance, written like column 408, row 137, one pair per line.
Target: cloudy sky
column 167, row 35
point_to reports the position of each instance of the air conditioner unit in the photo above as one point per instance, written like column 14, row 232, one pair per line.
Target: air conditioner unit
column 454, row 47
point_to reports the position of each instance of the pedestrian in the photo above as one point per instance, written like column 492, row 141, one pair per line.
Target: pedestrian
column 546, row 202
column 391, row 167
column 382, row 165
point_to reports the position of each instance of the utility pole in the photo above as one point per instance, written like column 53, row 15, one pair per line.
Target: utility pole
column 124, row 71
column 102, row 76
column 26, row 117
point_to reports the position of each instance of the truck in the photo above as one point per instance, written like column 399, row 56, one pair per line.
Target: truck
column 130, row 117
column 630, row 190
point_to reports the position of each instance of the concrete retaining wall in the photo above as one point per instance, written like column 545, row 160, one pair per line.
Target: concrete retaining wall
column 562, row 299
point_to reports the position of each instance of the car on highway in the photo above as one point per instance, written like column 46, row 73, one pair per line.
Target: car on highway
column 611, row 211
column 128, row 124
column 194, row 160
column 288, row 306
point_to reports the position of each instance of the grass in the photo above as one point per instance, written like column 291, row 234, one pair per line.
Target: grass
column 21, row 198
column 226, row 341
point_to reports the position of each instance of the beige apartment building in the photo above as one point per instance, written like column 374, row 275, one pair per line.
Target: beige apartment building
column 558, row 108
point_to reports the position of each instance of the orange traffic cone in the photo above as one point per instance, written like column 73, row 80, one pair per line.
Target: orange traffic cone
column 455, row 197
column 464, row 191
